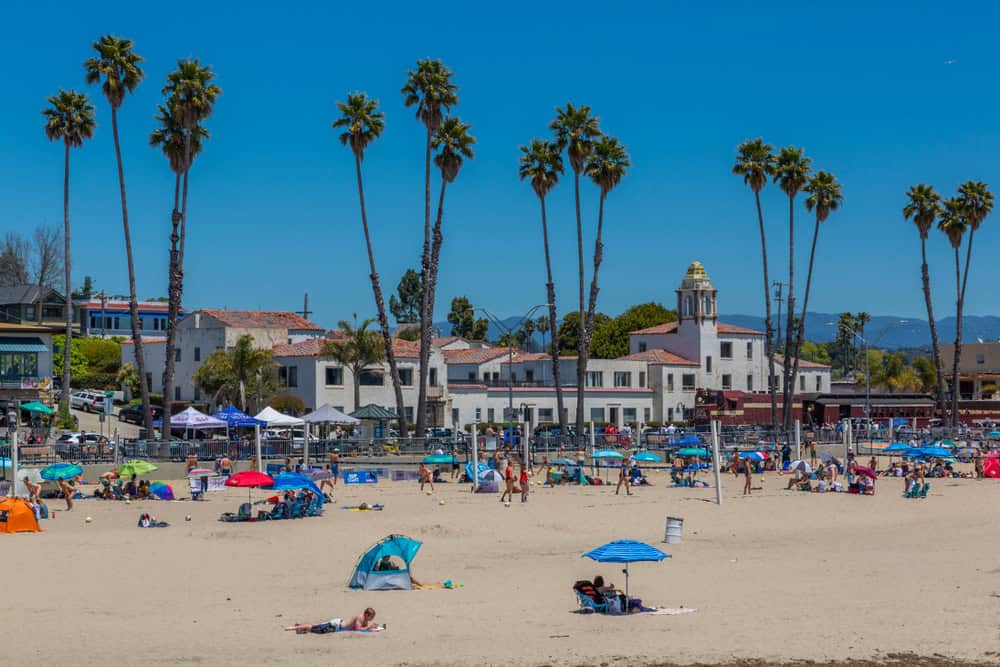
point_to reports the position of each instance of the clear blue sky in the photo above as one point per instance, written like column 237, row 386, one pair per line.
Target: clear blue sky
column 868, row 92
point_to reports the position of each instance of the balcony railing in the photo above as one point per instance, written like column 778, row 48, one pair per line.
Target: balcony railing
column 500, row 382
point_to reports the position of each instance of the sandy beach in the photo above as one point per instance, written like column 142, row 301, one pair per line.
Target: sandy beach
column 779, row 576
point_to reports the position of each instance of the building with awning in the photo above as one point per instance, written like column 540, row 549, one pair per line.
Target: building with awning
column 25, row 364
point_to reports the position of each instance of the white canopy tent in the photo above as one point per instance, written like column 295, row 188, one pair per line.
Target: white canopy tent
column 324, row 414
column 275, row 418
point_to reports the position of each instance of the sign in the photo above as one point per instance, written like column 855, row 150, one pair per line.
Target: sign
column 360, row 477
column 29, row 383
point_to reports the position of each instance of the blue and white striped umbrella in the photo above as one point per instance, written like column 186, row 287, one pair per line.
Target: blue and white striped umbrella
column 626, row 551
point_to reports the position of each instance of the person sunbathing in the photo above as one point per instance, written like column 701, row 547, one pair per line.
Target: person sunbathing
column 363, row 621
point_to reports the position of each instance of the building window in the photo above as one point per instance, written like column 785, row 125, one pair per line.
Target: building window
column 623, row 379
column 288, row 376
column 670, row 414
column 628, row 415
column 472, row 376
column 479, row 414
column 642, row 347
column 334, row 376
column 177, row 354
column 597, row 414
column 750, row 382
column 802, row 383
column 670, row 381
column 513, row 376
column 545, row 414
column 197, row 394
column 408, row 414
column 708, row 364
column 726, row 350
column 642, row 378
column 197, row 354
column 980, row 358
column 687, row 382
column 727, row 381
column 645, row 415
column 454, row 416
column 432, row 378
column 406, row 377
column 16, row 365
column 595, row 378
column 708, row 304
column 688, row 306
column 371, row 378
column 529, row 375
column 177, row 394
column 490, row 414
column 819, row 383
column 749, row 349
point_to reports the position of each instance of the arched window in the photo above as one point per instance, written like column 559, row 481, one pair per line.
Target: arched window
column 707, row 310
column 688, row 306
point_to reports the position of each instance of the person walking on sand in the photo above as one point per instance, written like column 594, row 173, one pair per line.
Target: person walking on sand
column 454, row 463
column 425, row 477
column 334, row 466
column 747, row 477
column 524, row 484
column 623, row 478
column 508, row 478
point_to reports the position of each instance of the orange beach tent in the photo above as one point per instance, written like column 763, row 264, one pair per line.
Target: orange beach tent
column 16, row 516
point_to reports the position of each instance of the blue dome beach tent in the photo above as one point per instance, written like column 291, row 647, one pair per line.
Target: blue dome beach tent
column 370, row 573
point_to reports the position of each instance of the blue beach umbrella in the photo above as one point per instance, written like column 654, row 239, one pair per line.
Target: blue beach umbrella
column 626, row 551
column 440, row 458
column 563, row 461
column 58, row 471
column 994, row 434
column 693, row 451
column 753, row 456
column 935, row 451
column 688, row 440
column 606, row 454
column 897, row 447
column 649, row 457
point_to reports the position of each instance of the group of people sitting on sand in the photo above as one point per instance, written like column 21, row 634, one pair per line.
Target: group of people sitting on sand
column 292, row 505
column 113, row 488
column 606, row 598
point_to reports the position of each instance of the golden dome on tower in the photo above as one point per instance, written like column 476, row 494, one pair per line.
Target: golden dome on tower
column 696, row 270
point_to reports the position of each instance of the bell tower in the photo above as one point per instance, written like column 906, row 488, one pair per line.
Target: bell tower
column 696, row 298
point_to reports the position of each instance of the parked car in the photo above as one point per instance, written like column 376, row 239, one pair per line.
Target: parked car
column 132, row 414
column 77, row 445
column 87, row 400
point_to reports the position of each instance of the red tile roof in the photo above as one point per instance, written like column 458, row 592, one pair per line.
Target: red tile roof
column 474, row 355
column 659, row 357
column 779, row 359
column 145, row 340
column 403, row 349
column 445, row 340
column 671, row 327
column 262, row 319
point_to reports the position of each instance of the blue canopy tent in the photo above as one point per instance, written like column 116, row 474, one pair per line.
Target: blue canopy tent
column 688, row 440
column 236, row 418
column 626, row 551
column 370, row 573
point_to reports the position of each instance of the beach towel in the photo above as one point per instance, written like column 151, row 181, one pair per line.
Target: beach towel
column 448, row 584
column 666, row 611
column 359, row 508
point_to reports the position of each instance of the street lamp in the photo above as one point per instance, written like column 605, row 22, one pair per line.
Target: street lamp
column 868, row 376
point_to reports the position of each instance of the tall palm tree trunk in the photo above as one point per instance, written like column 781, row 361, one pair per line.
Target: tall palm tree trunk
column 383, row 321
column 789, row 390
column 958, row 340
column 550, row 292
column 594, row 289
column 427, row 280
column 768, row 322
column 581, row 361
column 67, row 346
column 800, row 331
column 175, row 286
column 935, row 345
column 437, row 238
column 133, row 303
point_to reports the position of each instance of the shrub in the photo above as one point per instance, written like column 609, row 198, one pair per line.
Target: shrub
column 290, row 405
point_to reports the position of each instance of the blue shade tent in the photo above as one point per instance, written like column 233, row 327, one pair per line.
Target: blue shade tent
column 61, row 471
column 935, row 451
column 606, row 454
column 370, row 574
column 688, row 440
column 626, row 551
column 482, row 469
column 753, row 456
column 698, row 452
column 293, row 481
column 236, row 418
column 896, row 447
column 648, row 456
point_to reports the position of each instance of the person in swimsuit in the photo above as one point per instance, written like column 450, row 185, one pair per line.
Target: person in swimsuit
column 334, row 466
column 325, row 482
column 225, row 466
column 508, row 477
column 67, row 492
column 454, row 463
column 524, row 484
column 747, row 477
column 623, row 478
column 363, row 621
column 34, row 490
column 425, row 477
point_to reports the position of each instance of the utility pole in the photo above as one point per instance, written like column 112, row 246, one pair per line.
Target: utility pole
column 305, row 312
column 778, row 285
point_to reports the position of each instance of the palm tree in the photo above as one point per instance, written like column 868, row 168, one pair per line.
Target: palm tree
column 977, row 203
column 364, row 124
column 120, row 67
column 232, row 374
column 791, row 170
column 755, row 163
column 356, row 349
column 954, row 224
column 576, row 130
column 846, row 328
column 606, row 166
column 191, row 98
column 542, row 162
column 430, row 88
column 824, row 198
column 923, row 207
column 70, row 119
column 542, row 327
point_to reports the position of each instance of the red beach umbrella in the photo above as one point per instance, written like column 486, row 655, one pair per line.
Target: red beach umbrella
column 250, row 479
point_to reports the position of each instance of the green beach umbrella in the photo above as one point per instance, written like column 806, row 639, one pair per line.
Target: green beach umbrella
column 38, row 407
column 137, row 468
column 692, row 451
column 440, row 458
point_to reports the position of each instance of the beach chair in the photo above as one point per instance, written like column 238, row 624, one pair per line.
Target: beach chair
column 315, row 507
column 589, row 605
column 297, row 509
column 242, row 515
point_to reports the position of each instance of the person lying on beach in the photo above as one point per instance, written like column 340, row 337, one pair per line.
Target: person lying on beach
column 363, row 621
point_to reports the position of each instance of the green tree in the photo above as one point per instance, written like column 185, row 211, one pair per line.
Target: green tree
column 102, row 355
column 86, row 291
column 528, row 334
column 755, row 163
column 814, row 352
column 120, row 68
column 611, row 340
column 924, row 207
column 430, row 88
column 70, row 119
column 13, row 260
column 232, row 375
column 357, row 349
column 363, row 123
column 791, row 172
column 824, row 198
column 576, row 131
column 190, row 98
column 77, row 359
column 128, row 378
column 569, row 331
column 846, row 328
column 406, row 308
column 542, row 327
column 541, row 163
column 462, row 319
column 929, row 372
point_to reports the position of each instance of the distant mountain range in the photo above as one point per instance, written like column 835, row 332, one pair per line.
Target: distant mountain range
column 887, row 331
